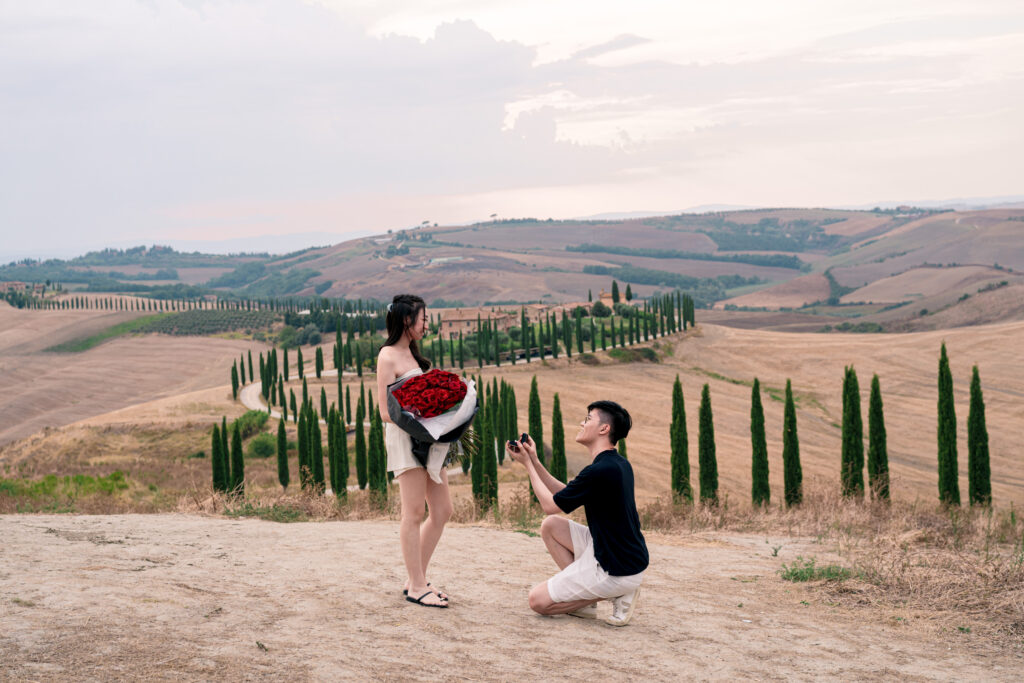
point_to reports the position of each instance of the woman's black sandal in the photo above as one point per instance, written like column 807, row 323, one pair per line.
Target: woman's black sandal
column 419, row 601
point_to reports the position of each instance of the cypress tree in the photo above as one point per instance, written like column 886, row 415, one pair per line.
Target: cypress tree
column 878, row 454
column 263, row 376
column 303, row 445
column 252, row 377
column 282, row 455
column 341, row 449
column 629, row 293
column 318, row 362
column 536, row 425
column 234, row 381
column 681, row 489
column 852, row 475
column 497, row 426
column 615, row 292
column 706, row 451
column 979, row 476
column 281, row 400
column 285, row 363
column 760, row 491
column 317, row 452
column 305, row 392
column 295, row 412
column 793, row 478
column 513, row 413
column 360, row 444
column 621, row 447
column 477, row 464
column 558, row 465
column 487, row 456
column 219, row 481
column 298, row 363
column 579, row 333
column 491, row 475
column 225, row 453
column 348, row 405
column 567, row 332
column 378, row 463
column 323, row 401
column 237, row 463
column 949, row 486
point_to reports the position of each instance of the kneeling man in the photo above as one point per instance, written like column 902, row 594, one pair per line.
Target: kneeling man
column 606, row 559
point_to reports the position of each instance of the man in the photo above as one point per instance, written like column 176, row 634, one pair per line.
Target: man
column 606, row 559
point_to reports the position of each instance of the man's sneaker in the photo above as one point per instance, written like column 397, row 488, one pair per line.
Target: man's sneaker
column 622, row 608
column 588, row 612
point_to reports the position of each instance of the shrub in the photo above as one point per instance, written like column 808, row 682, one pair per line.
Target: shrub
column 589, row 359
column 600, row 310
column 251, row 422
column 262, row 446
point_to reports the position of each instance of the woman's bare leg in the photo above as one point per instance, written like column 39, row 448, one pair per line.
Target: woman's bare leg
column 412, row 486
column 439, row 506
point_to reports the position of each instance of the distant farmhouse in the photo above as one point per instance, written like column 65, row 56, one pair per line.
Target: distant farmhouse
column 455, row 321
column 16, row 286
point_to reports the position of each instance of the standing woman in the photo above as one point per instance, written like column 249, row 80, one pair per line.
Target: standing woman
column 399, row 358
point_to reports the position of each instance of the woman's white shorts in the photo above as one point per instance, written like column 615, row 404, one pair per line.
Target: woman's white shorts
column 584, row 579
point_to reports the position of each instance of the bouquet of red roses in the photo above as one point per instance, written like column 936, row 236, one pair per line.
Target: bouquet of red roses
column 435, row 407
column 431, row 394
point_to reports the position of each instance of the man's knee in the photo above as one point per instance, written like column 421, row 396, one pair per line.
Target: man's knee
column 540, row 600
column 550, row 525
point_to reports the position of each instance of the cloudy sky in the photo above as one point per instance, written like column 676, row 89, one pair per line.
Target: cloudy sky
column 131, row 121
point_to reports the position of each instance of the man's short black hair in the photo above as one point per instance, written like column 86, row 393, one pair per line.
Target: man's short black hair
column 614, row 415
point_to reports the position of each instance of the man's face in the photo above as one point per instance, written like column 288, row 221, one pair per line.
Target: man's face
column 590, row 428
column 418, row 325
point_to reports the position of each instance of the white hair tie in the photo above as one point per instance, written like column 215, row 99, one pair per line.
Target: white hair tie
column 389, row 307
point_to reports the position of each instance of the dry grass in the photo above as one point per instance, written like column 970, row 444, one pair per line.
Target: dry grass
column 952, row 563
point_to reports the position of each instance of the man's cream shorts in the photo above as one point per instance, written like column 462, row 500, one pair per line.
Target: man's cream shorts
column 584, row 579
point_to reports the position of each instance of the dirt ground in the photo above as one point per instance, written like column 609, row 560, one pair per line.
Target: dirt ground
column 170, row 597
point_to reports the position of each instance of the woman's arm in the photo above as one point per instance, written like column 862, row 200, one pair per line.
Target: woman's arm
column 385, row 375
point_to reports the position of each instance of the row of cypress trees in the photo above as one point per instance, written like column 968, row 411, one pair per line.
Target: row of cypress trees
column 228, row 463
column 979, row 476
column 852, row 445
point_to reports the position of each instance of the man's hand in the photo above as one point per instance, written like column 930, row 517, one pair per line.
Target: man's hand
column 518, row 454
column 530, row 447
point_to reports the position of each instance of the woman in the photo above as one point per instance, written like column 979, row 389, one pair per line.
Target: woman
column 400, row 357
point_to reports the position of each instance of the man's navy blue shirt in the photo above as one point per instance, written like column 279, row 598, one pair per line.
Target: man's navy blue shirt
column 605, row 490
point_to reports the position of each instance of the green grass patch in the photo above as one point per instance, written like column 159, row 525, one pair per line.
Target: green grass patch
column 70, row 486
column 58, row 494
column 645, row 354
column 722, row 378
column 86, row 343
column 808, row 570
column 270, row 513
